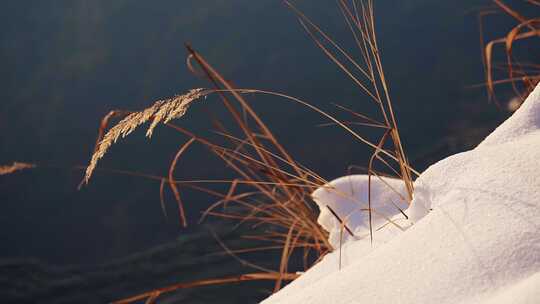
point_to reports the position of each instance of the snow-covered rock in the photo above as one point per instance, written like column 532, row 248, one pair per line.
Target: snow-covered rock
column 473, row 233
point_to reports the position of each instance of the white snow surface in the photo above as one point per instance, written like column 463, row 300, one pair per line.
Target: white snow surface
column 347, row 197
column 473, row 233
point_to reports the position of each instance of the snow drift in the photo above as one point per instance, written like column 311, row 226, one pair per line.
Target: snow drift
column 470, row 235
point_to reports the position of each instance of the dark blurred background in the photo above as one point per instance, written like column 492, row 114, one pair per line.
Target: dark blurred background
column 66, row 63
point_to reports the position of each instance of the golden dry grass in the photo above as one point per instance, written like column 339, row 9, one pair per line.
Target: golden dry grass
column 521, row 76
column 272, row 189
column 152, row 296
column 16, row 166
column 161, row 111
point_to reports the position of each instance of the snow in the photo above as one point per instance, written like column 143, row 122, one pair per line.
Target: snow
column 472, row 233
column 347, row 195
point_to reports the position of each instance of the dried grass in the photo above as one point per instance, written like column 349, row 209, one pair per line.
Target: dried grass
column 359, row 16
column 16, row 166
column 161, row 111
column 151, row 296
column 521, row 76
column 272, row 189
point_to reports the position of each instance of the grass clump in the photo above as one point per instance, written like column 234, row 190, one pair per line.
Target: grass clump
column 272, row 189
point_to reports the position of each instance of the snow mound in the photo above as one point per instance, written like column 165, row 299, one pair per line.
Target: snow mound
column 348, row 196
column 473, row 233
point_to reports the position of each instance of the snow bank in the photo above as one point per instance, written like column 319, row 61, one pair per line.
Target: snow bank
column 473, row 233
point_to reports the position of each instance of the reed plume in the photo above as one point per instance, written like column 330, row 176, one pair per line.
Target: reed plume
column 16, row 166
column 161, row 111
